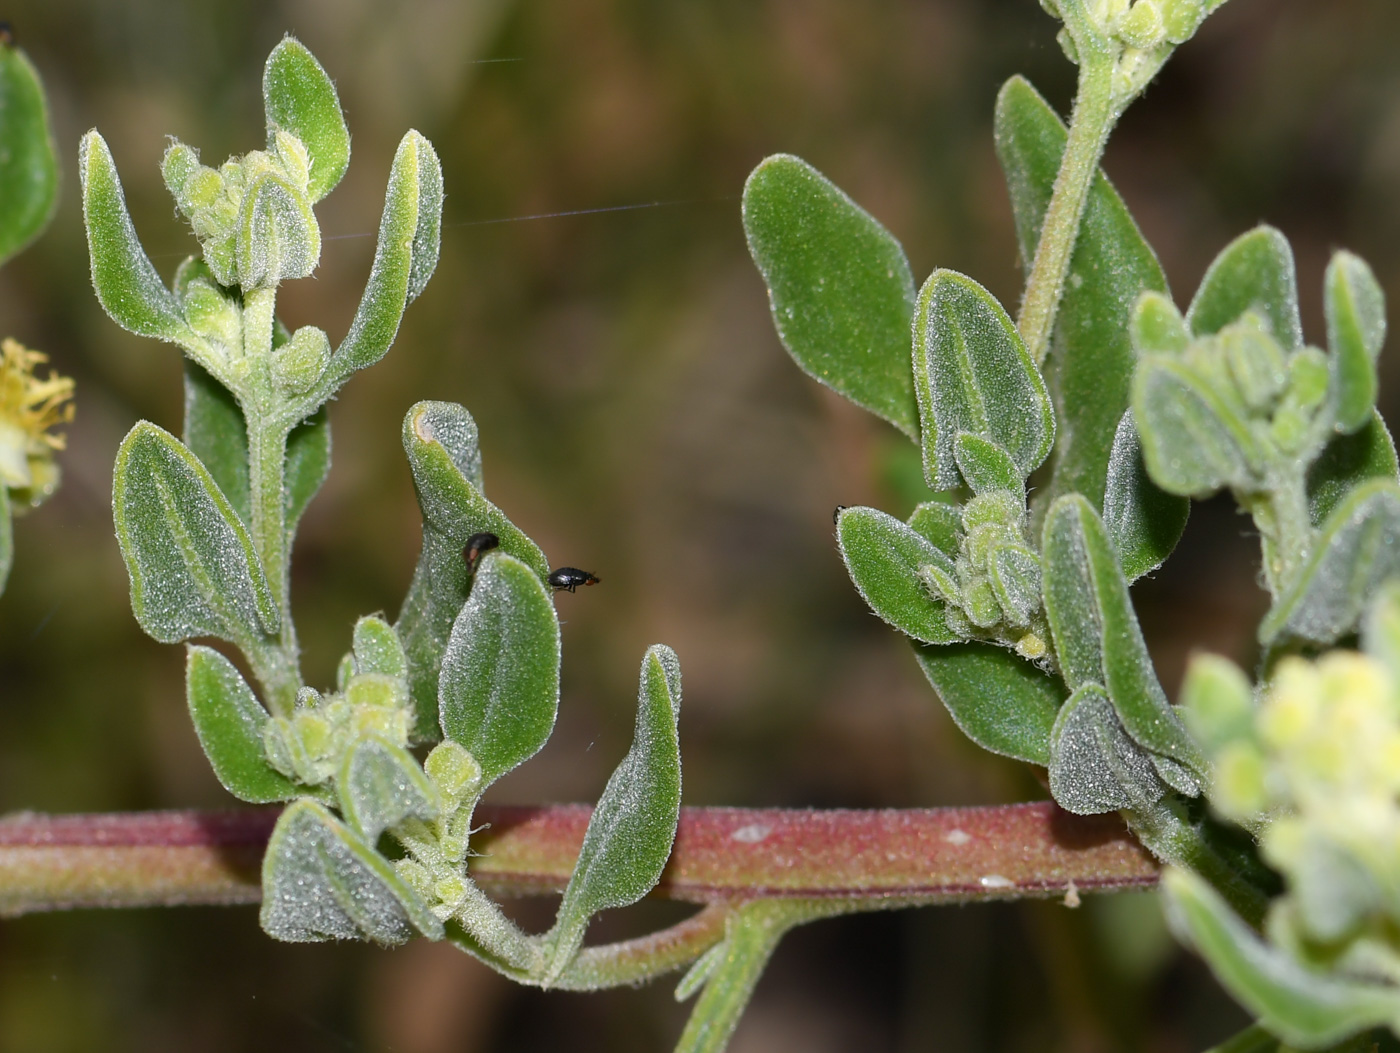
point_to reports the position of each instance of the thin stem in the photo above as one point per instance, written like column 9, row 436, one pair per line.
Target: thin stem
column 751, row 937
column 1092, row 121
column 267, row 458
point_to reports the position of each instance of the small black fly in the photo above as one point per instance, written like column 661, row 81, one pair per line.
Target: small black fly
column 570, row 578
column 476, row 545
column 7, row 35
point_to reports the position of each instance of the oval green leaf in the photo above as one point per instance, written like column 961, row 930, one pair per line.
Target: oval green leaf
column 1254, row 272
column 193, row 568
column 1094, row 766
column 380, row 785
column 1355, row 307
column 229, row 721
column 840, row 287
column 972, row 373
column 883, row 557
column 999, row 700
column 28, row 164
column 299, row 97
column 1143, row 521
column 499, row 687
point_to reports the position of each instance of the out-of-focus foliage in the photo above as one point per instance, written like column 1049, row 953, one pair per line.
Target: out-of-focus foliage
column 642, row 420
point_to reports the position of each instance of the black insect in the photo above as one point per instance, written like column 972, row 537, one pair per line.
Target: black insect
column 836, row 515
column 570, row 578
column 476, row 545
column 7, row 35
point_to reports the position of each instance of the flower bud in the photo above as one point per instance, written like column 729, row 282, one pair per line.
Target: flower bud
column 299, row 363
column 454, row 771
column 1181, row 19
column 277, row 235
column 1142, row 26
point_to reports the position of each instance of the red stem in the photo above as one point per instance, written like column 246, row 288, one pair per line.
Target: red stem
column 721, row 855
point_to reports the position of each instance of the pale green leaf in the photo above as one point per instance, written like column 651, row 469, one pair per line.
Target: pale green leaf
column 985, row 465
column 377, row 648
column 630, row 834
column 884, row 558
column 840, row 287
column 299, row 98
column 941, row 523
column 278, row 237
column 28, row 165
column 1355, row 332
column 380, row 785
column 1002, row 702
column 1255, row 272
column 322, row 881
column 193, row 568
column 972, row 373
column 499, row 687
column 1094, row 766
column 229, row 721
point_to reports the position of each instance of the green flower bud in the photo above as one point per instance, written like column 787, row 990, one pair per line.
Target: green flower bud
column 299, row 363
column 1256, row 362
column 1307, row 378
column 376, row 689
column 980, row 603
column 215, row 316
column 277, row 236
column 1142, row 26
column 999, row 506
column 940, row 584
column 453, row 770
column 1181, row 19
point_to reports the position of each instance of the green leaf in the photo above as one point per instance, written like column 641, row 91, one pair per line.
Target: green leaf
column 229, row 721
column 985, row 465
column 380, row 785
column 1299, row 1005
column 299, row 98
column 1356, row 549
column 278, row 237
column 941, row 523
column 216, row 433
column 1254, row 272
column 308, row 464
column 406, row 255
column 972, row 373
column 7, row 537
column 1348, row 461
column 1156, row 326
column 1355, row 332
column 1143, row 521
column 377, row 648
column 1002, row 702
column 1098, row 640
column 322, row 881
column 28, row 165
column 884, row 558
column 1015, row 577
column 499, row 687
column 1193, row 440
column 840, row 287
column 1091, row 362
column 440, row 439
column 630, row 834
column 193, row 568
column 1094, row 766
column 126, row 281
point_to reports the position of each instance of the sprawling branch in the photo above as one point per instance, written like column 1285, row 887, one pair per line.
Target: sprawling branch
column 721, row 855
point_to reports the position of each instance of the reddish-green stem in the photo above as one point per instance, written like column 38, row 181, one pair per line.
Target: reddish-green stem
column 722, row 855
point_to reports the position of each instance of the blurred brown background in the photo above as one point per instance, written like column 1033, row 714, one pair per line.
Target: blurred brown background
column 640, row 419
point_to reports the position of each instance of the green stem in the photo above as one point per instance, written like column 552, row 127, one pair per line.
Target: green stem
column 1291, row 532
column 1093, row 119
column 267, row 461
column 751, row 937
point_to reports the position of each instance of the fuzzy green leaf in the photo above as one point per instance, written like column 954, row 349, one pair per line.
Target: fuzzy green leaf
column 840, row 287
column 883, row 557
column 216, row 433
column 1254, row 272
column 1094, row 766
column 440, row 439
column 972, row 373
column 322, row 881
column 7, row 536
column 229, row 721
column 1097, row 638
column 1355, row 332
column 1002, row 702
column 308, row 464
column 1143, row 521
column 499, row 687
column 126, row 281
column 1090, row 366
column 941, row 523
column 1303, row 1007
column 630, row 834
column 1348, row 461
column 1156, row 326
column 28, row 165
column 377, row 648
column 407, row 253
column 380, row 785
column 299, row 98
column 278, row 237
column 985, row 465
column 1356, row 550
column 1193, row 439
column 193, row 568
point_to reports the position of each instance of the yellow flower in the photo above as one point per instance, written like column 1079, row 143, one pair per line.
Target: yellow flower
column 29, row 407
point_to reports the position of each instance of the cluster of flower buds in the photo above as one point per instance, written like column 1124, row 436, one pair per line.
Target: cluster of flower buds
column 252, row 215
